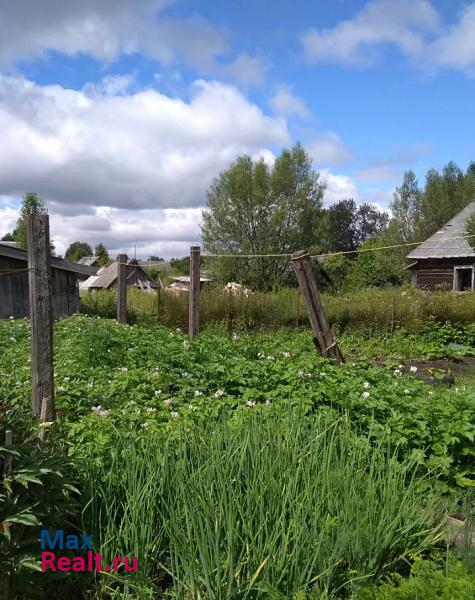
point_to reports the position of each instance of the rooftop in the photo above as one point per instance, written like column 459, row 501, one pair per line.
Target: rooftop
column 443, row 245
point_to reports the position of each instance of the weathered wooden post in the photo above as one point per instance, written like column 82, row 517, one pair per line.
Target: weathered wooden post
column 122, row 288
column 323, row 335
column 194, row 299
column 41, row 315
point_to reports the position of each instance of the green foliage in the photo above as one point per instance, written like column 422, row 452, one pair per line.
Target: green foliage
column 349, row 225
column 102, row 255
column 35, row 493
column 374, row 268
column 428, row 581
column 254, row 209
column 31, row 202
column 274, row 505
column 78, row 250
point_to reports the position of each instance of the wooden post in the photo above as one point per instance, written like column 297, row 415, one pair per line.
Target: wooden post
column 122, row 288
column 194, row 299
column 41, row 315
column 323, row 335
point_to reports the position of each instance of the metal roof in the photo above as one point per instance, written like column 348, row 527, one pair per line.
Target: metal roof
column 443, row 245
column 109, row 275
column 88, row 260
column 56, row 263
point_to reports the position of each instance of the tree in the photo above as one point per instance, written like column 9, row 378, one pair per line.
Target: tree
column 78, row 250
column 256, row 209
column 8, row 237
column 370, row 222
column 342, row 226
column 31, row 203
column 407, row 207
column 100, row 252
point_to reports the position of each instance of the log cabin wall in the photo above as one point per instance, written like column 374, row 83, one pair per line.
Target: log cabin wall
column 437, row 274
column 14, row 300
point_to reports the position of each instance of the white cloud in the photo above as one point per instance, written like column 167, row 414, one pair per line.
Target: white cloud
column 142, row 150
column 338, row 187
column 414, row 26
column 285, row 103
column 328, row 149
column 104, row 29
column 379, row 173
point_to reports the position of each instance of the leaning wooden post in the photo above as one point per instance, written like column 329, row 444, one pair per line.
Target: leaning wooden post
column 41, row 316
column 122, row 288
column 323, row 335
column 194, row 301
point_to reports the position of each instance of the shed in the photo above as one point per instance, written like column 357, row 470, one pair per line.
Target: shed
column 182, row 283
column 446, row 260
column 107, row 277
column 14, row 287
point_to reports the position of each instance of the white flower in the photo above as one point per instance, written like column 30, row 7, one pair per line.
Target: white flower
column 178, row 329
column 185, row 343
column 304, row 375
column 401, row 366
column 174, row 414
column 124, row 369
column 61, row 389
column 235, row 336
column 413, row 369
column 431, row 393
column 366, row 385
column 270, row 357
column 145, row 425
column 67, row 378
column 260, row 355
column 96, row 408
column 12, row 339
column 89, row 386
column 103, row 413
column 286, row 354
column 365, row 395
column 198, row 393
column 158, row 392
column 11, row 318
column 406, row 391
column 168, row 401
column 150, row 409
column 184, row 374
column 397, row 371
column 268, row 402
column 18, row 383
column 137, row 411
column 250, row 403
column 219, row 393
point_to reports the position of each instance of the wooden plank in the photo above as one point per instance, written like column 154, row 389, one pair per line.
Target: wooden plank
column 194, row 296
column 122, row 288
column 324, row 337
column 41, row 315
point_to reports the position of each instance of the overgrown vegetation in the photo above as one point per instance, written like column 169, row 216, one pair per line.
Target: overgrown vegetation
column 292, row 476
column 371, row 309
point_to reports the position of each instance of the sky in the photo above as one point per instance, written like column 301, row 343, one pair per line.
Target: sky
column 120, row 113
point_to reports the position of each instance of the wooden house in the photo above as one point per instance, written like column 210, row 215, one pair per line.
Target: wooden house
column 14, row 288
column 446, row 260
column 107, row 277
column 181, row 283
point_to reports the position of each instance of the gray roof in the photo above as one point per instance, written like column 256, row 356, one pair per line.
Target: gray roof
column 442, row 244
column 88, row 260
column 108, row 276
column 56, row 263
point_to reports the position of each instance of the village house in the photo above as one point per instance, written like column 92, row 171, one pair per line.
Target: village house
column 106, row 278
column 14, row 288
column 446, row 260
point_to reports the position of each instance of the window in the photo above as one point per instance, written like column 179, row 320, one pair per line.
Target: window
column 464, row 279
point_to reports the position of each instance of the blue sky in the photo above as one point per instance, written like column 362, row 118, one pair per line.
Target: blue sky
column 119, row 113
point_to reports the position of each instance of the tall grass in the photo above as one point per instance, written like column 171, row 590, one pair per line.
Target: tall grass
column 374, row 309
column 264, row 508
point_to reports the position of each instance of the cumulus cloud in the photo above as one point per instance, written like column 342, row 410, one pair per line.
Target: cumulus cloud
column 328, row 149
column 140, row 150
column 338, row 187
column 284, row 102
column 414, row 26
column 104, row 29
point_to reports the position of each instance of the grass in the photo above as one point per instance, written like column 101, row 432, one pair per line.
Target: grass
column 372, row 309
column 266, row 509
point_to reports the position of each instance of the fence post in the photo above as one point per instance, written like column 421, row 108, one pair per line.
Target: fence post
column 122, row 288
column 324, row 337
column 194, row 300
column 41, row 315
